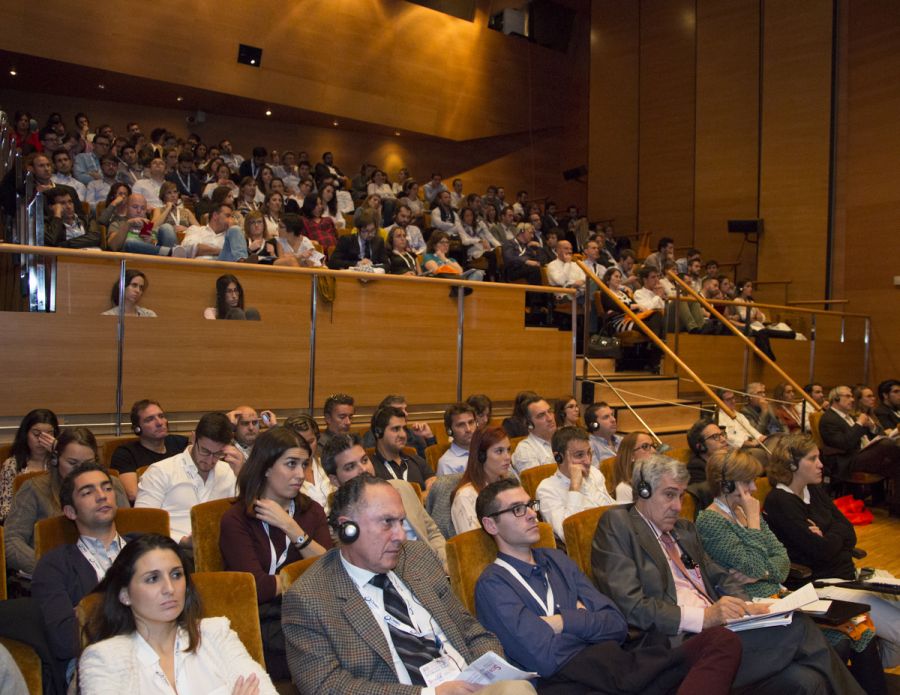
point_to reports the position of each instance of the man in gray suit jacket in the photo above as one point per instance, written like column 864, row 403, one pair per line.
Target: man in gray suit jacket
column 343, row 458
column 340, row 619
column 652, row 564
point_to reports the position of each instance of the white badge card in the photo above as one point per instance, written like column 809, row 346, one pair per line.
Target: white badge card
column 439, row 671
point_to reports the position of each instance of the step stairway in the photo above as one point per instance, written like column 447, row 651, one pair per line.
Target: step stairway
column 655, row 398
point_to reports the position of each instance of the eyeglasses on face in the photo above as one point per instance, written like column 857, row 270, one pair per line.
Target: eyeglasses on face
column 519, row 510
column 718, row 435
column 647, row 446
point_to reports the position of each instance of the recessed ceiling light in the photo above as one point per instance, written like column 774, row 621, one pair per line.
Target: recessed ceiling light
column 268, row 112
column 335, row 124
column 179, row 98
column 252, row 61
column 397, row 133
column 101, row 86
column 12, row 71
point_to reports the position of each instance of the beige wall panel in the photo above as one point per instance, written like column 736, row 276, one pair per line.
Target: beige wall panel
column 868, row 256
column 667, row 124
column 613, row 136
column 727, row 141
column 795, row 144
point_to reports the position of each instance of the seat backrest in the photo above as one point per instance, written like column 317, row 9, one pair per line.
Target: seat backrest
column 59, row 530
column 470, row 552
column 578, row 531
column 206, row 522
column 291, row 572
column 532, row 477
column 814, row 420
column 689, row 506
column 141, row 470
column 607, row 466
column 433, row 454
column 682, row 454
column 28, row 662
column 233, row 595
column 513, row 443
column 763, row 488
column 438, row 502
column 108, row 447
column 2, row 566
column 20, row 479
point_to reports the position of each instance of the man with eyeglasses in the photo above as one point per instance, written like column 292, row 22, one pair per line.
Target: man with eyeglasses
column 552, row 620
column 87, row 164
column 704, row 439
column 198, row 474
column 738, row 429
column 576, row 485
column 246, row 422
column 535, row 449
column 758, row 411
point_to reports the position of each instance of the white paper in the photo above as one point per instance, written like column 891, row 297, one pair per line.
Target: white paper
column 819, row 607
column 490, row 668
column 761, row 621
column 781, row 607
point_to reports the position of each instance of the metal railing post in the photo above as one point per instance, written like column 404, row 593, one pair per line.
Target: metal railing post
column 867, row 342
column 313, row 313
column 120, row 347
column 575, row 344
column 812, row 349
column 460, row 319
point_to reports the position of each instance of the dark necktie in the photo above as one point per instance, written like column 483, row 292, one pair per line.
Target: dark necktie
column 368, row 250
column 674, row 554
column 413, row 651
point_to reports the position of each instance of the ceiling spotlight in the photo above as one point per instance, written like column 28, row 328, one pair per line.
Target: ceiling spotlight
column 335, row 124
column 12, row 71
column 179, row 98
column 397, row 133
column 101, row 86
column 268, row 112
column 253, row 61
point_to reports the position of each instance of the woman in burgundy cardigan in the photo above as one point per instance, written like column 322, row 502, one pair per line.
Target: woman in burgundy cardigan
column 270, row 525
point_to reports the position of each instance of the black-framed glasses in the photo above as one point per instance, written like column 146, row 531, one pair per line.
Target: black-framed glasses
column 646, row 446
column 721, row 436
column 519, row 510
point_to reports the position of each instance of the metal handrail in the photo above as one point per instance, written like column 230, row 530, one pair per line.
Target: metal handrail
column 655, row 339
column 747, row 342
column 782, row 307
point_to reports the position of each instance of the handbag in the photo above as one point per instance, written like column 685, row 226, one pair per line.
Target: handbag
column 608, row 347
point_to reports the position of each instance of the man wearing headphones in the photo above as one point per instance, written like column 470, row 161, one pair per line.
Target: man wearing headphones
column 600, row 422
column 459, row 419
column 576, row 485
column 376, row 615
column 388, row 427
column 535, row 449
column 704, row 439
column 652, row 564
column 154, row 443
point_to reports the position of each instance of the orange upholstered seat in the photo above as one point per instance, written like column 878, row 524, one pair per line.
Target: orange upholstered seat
column 579, row 530
column 532, row 477
column 607, row 466
column 206, row 522
column 20, row 479
column 682, row 454
column 59, row 530
column 29, row 664
column 291, row 572
column 470, row 552
column 433, row 454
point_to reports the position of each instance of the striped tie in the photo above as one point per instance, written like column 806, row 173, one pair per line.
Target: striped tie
column 413, row 651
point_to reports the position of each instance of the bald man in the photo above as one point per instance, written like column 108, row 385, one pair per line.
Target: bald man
column 136, row 234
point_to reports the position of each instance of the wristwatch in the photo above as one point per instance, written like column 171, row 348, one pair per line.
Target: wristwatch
column 302, row 541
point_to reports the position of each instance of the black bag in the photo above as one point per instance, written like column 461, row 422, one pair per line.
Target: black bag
column 604, row 346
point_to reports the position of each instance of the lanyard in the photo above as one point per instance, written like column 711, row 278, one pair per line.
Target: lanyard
column 404, row 469
column 92, row 557
column 279, row 561
column 720, row 503
column 187, row 186
column 547, row 605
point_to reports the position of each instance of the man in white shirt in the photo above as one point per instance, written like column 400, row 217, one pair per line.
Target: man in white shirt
column 415, row 240
column 217, row 240
column 98, row 189
column 738, row 430
column 196, row 475
column 62, row 165
column 87, row 164
column 459, row 419
column 576, row 485
column 149, row 187
column 228, row 156
column 562, row 272
column 651, row 295
column 535, row 449
column 600, row 422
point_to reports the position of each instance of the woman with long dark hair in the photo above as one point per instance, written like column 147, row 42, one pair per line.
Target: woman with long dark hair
column 32, row 450
column 272, row 524
column 229, row 300
column 635, row 446
column 490, row 460
column 136, row 283
column 147, row 634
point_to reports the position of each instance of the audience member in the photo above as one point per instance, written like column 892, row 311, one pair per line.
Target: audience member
column 418, row 434
column 198, row 474
column 521, row 260
column 402, row 261
column 562, row 272
column 354, row 587
column 535, row 449
column 482, row 407
column 38, row 498
column 390, row 461
column 261, row 249
column 888, row 409
column 490, row 460
column 140, row 618
column 638, row 562
column 439, row 261
column 230, row 302
column 246, row 424
column 459, row 421
column 738, row 429
column 136, row 284
column 566, row 411
column 516, row 425
column 576, row 485
column 97, row 189
column 173, row 211
column 271, row 524
column 32, row 451
column 338, row 412
column 364, row 248
column 600, row 422
column 574, row 643
column 785, row 407
column 66, row 227
column 150, row 186
column 316, row 484
column 433, row 188
column 759, row 412
column 327, row 167
column 62, row 166
column 665, row 251
column 219, row 239
column 704, row 439
column 134, row 233
column 87, row 164
column 635, row 447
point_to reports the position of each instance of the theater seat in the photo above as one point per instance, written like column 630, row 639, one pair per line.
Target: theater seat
column 206, row 525
column 763, row 488
column 20, row 479
column 29, row 664
column 470, row 552
column 291, row 572
column 681, row 454
column 433, row 454
column 532, row 477
column 233, row 595
column 437, row 504
column 59, row 530
column 607, row 466
column 578, row 531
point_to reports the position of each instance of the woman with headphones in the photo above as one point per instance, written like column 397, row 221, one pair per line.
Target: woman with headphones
column 636, row 446
column 816, row 534
column 489, row 461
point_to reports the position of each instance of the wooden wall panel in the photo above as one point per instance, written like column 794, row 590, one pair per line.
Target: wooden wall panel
column 667, row 124
column 867, row 256
column 796, row 121
column 727, row 139
column 613, row 137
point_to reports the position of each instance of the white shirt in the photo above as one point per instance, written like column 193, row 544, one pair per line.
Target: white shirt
column 96, row 191
column 321, row 488
column 415, row 242
column 72, row 182
column 624, row 493
column 197, row 234
column 647, row 300
column 561, row 274
column 530, row 452
column 421, row 619
column 558, row 502
column 150, row 190
column 738, row 430
column 462, row 511
column 454, row 460
column 604, row 449
column 174, row 484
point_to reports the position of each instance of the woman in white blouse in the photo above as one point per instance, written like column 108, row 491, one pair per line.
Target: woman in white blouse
column 173, row 212
column 490, row 460
column 147, row 635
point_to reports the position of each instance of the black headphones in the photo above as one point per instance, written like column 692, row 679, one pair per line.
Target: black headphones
column 728, row 486
column 377, row 432
column 701, row 447
column 137, row 429
column 348, row 532
column 645, row 492
column 590, row 420
column 558, row 457
column 481, row 455
column 793, row 462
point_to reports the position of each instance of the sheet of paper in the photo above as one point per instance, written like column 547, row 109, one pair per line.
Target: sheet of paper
column 490, row 668
column 760, row 622
column 791, row 602
column 819, row 607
